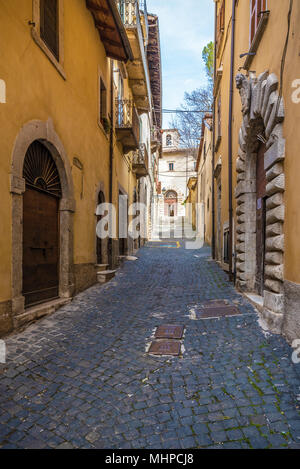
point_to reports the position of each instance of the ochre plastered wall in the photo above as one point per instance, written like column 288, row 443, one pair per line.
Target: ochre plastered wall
column 37, row 91
column 268, row 58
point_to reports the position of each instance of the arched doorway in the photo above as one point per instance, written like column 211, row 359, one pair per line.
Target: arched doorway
column 171, row 204
column 100, row 242
column 259, row 195
column 43, row 133
column 40, row 226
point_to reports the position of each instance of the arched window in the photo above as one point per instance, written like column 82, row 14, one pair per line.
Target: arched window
column 171, row 203
column 169, row 140
column 171, row 195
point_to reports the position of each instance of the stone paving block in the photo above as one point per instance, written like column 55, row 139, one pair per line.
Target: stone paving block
column 82, row 378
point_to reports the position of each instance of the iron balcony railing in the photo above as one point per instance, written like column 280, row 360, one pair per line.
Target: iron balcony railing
column 127, row 116
column 126, row 113
column 129, row 12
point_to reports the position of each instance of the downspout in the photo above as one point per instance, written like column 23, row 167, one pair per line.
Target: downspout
column 111, row 156
column 213, row 239
column 230, row 140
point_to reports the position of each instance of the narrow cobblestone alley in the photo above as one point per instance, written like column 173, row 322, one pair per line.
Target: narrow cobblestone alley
column 82, row 378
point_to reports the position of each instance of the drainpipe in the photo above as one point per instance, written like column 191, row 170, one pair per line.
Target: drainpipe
column 213, row 239
column 111, row 154
column 230, row 139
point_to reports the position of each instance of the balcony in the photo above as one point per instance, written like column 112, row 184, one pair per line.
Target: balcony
column 136, row 25
column 156, row 139
column 111, row 30
column 140, row 161
column 127, row 124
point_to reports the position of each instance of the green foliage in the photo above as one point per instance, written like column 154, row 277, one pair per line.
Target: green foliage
column 208, row 59
column 189, row 123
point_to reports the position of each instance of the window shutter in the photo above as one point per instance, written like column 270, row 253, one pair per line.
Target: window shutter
column 49, row 25
column 256, row 8
column 220, row 23
column 219, row 117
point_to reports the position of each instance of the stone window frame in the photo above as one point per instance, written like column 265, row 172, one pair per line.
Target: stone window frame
column 2, row 92
column 36, row 35
column 46, row 134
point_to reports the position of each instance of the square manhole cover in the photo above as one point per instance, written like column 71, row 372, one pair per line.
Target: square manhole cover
column 170, row 331
column 165, row 347
column 214, row 304
column 218, row 311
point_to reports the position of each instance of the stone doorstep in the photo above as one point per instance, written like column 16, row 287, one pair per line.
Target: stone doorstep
column 271, row 321
column 36, row 312
column 105, row 276
column 101, row 267
column 256, row 300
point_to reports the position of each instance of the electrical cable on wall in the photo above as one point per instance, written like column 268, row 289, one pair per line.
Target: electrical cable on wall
column 284, row 56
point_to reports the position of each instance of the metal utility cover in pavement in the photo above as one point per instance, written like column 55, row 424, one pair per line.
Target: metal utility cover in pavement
column 215, row 304
column 165, row 347
column 169, row 331
column 217, row 310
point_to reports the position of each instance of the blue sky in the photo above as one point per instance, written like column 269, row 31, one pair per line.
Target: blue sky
column 186, row 26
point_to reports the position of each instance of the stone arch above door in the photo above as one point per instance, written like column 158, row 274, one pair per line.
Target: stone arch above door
column 263, row 114
column 45, row 133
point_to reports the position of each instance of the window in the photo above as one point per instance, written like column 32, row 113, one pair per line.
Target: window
column 2, row 92
column 171, row 166
column 49, row 25
column 47, row 31
column 219, row 122
column 220, row 24
column 169, row 140
column 103, row 103
column 257, row 7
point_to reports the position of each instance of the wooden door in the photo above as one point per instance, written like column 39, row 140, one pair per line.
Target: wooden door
column 123, row 223
column 40, row 225
column 99, row 247
column 260, row 219
column 219, row 227
column 40, row 247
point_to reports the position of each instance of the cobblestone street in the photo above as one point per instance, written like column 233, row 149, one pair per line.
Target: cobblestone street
column 82, row 378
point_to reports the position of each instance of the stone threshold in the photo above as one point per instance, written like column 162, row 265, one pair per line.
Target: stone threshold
column 256, row 300
column 36, row 312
